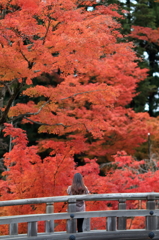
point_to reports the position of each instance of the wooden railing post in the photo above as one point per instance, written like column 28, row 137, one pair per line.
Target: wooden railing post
column 13, row 228
column 157, row 206
column 71, row 223
column 49, row 225
column 121, row 221
column 32, row 229
column 151, row 220
column 86, row 224
column 111, row 223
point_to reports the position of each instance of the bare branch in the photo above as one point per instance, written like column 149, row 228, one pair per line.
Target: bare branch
column 9, row 82
column 30, row 114
column 102, row 165
column 47, row 29
column 9, row 42
column 80, row 93
column 8, row 88
column 30, row 64
column 46, row 124
column 26, row 115
column 10, row 101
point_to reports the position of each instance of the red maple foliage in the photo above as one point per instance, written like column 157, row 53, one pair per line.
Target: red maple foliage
column 29, row 176
column 145, row 33
column 88, row 107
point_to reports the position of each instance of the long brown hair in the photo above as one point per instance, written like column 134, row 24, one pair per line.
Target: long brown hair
column 78, row 186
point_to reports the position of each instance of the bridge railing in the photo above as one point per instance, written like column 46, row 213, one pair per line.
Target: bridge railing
column 116, row 219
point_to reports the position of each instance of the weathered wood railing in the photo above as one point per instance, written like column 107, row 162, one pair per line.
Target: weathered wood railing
column 116, row 219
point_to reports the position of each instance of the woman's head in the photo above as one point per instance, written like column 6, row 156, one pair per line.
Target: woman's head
column 78, row 186
column 77, row 178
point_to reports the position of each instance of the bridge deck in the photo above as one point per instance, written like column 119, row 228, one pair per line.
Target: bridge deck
column 115, row 219
column 91, row 235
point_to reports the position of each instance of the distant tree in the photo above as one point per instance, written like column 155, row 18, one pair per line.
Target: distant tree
column 143, row 15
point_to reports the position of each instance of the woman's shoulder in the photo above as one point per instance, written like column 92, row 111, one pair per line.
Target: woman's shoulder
column 69, row 190
column 87, row 191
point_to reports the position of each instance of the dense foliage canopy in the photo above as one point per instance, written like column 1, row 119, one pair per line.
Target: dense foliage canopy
column 74, row 74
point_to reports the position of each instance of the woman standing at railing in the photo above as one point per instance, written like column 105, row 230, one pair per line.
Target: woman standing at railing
column 78, row 188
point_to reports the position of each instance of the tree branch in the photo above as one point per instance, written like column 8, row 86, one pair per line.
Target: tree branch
column 8, row 88
column 46, row 124
column 30, row 114
column 10, row 101
column 30, row 64
column 26, row 115
column 47, row 29
column 80, row 93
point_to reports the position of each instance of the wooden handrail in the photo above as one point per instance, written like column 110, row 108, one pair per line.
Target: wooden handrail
column 91, row 197
column 88, row 214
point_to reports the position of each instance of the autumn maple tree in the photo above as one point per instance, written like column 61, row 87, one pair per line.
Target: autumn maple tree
column 82, row 109
column 89, row 102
